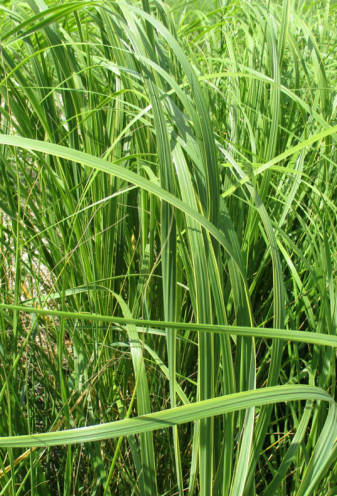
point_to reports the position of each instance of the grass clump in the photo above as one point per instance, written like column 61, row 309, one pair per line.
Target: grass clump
column 168, row 246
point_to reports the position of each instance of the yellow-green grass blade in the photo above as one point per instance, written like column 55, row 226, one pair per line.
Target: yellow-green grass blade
column 268, row 333
column 174, row 416
column 110, row 168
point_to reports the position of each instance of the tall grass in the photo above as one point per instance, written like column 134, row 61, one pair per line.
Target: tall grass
column 168, row 248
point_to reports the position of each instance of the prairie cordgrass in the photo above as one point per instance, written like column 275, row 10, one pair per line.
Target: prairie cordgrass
column 168, row 245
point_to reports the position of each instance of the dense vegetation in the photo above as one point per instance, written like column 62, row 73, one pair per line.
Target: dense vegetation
column 168, row 247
